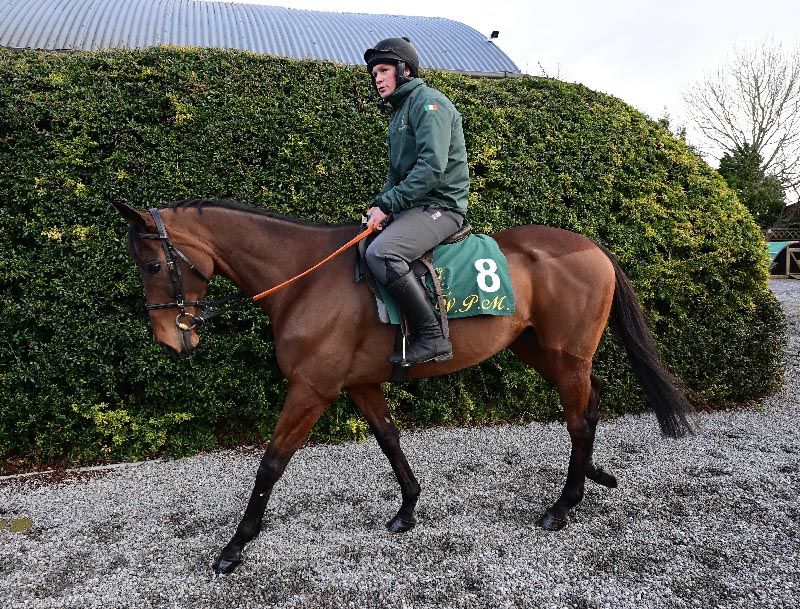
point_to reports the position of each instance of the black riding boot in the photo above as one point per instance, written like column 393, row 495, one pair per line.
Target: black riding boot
column 427, row 342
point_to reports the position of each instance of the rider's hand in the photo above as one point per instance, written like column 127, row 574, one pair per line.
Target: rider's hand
column 376, row 217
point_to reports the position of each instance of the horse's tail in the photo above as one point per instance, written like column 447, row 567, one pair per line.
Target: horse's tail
column 665, row 391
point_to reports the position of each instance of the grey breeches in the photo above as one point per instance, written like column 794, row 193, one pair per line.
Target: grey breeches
column 412, row 233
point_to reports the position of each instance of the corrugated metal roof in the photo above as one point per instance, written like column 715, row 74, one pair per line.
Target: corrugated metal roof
column 102, row 24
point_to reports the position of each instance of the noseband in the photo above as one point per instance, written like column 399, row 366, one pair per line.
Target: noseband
column 172, row 253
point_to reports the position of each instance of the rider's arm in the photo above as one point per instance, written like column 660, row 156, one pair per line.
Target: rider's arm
column 432, row 123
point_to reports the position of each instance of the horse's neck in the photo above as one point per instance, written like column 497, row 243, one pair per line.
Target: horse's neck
column 257, row 252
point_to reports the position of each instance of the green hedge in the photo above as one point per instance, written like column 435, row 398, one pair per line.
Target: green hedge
column 82, row 380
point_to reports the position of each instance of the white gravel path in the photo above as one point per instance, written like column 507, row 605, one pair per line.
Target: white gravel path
column 710, row 521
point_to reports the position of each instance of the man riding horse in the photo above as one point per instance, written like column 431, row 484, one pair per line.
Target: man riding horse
column 566, row 290
column 426, row 190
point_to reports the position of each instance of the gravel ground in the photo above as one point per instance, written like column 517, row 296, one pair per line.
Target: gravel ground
column 710, row 521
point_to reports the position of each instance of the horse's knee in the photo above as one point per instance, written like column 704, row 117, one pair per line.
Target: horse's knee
column 388, row 438
column 580, row 430
column 271, row 468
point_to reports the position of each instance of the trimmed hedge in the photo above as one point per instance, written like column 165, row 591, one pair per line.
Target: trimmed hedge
column 82, row 378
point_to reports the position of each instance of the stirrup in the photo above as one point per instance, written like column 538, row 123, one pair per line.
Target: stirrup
column 402, row 357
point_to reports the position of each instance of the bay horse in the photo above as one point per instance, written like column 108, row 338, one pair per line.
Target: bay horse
column 328, row 338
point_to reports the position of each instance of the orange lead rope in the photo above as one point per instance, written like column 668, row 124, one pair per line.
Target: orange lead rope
column 349, row 244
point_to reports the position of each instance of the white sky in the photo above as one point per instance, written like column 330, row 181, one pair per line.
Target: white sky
column 645, row 52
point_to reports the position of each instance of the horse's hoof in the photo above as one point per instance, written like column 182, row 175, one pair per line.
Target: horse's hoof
column 550, row 522
column 599, row 475
column 226, row 566
column 609, row 480
column 400, row 525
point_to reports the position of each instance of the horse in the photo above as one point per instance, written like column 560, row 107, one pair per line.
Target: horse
column 328, row 338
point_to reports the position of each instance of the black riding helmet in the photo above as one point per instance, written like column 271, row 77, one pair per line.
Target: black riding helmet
column 397, row 51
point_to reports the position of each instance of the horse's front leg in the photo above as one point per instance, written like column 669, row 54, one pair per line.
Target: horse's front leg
column 371, row 402
column 302, row 408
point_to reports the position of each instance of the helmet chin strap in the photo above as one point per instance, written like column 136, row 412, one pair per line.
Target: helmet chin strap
column 400, row 73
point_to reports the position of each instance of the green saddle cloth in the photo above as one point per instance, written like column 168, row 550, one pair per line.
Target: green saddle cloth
column 474, row 278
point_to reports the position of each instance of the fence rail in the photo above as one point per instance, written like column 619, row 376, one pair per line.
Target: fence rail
column 782, row 234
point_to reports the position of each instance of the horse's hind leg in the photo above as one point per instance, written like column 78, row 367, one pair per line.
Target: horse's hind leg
column 574, row 388
column 579, row 393
column 594, row 472
column 371, row 402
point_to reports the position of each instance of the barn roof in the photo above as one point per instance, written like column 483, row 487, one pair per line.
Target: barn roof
column 342, row 37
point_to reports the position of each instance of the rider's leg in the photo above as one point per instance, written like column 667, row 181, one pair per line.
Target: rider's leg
column 409, row 236
column 427, row 342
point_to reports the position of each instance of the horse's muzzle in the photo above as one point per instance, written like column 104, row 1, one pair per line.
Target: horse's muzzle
column 174, row 353
column 185, row 350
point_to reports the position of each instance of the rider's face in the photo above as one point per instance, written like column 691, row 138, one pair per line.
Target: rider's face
column 385, row 75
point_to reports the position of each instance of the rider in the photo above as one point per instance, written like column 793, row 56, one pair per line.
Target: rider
column 426, row 190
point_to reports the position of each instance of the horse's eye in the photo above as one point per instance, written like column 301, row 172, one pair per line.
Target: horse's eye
column 153, row 267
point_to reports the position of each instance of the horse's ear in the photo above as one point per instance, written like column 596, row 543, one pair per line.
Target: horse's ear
column 132, row 215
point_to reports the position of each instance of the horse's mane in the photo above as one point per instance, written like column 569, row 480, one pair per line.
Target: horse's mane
column 199, row 204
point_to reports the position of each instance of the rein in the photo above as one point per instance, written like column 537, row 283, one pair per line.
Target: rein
column 362, row 235
column 232, row 300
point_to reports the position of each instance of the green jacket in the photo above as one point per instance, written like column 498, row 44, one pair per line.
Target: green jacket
column 427, row 155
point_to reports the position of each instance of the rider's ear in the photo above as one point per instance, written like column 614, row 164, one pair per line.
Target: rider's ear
column 133, row 216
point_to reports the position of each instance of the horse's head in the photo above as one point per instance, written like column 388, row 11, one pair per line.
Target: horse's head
column 174, row 268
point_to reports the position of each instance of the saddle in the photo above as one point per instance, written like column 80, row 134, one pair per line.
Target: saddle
column 421, row 267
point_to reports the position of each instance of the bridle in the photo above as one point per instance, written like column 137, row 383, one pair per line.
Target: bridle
column 231, row 300
column 172, row 254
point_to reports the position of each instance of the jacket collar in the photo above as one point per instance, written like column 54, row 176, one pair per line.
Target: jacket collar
column 399, row 95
